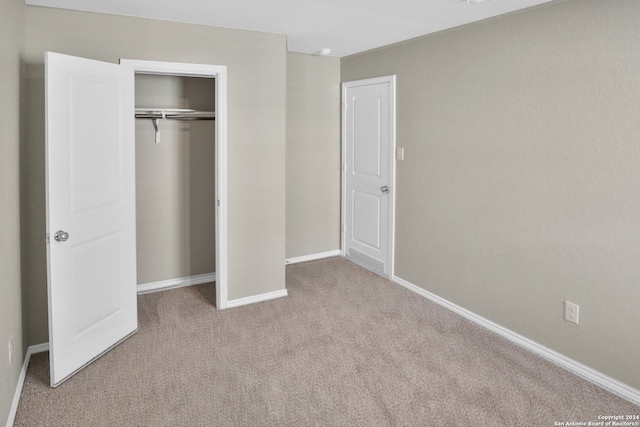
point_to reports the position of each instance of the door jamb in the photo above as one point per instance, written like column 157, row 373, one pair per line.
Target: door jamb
column 219, row 73
column 391, row 79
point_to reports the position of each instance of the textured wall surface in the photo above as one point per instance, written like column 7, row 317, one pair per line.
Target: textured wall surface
column 519, row 188
column 313, row 154
column 11, row 36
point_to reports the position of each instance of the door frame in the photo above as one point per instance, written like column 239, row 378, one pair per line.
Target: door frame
column 219, row 73
column 391, row 80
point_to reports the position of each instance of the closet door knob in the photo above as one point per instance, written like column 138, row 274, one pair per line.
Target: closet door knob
column 384, row 189
column 61, row 236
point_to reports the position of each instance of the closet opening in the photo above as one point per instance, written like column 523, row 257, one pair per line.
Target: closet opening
column 180, row 177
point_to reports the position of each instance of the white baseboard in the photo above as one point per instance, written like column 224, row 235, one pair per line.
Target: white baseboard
column 257, row 298
column 39, row 348
column 608, row 383
column 180, row 282
column 313, row 257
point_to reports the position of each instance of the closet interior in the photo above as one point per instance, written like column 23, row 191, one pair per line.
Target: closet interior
column 175, row 179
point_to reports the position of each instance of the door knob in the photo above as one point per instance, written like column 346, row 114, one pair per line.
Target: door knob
column 61, row 236
column 384, row 189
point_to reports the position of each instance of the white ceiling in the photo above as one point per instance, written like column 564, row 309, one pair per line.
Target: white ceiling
column 344, row 26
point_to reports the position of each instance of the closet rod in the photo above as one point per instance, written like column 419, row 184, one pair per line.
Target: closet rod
column 156, row 114
column 174, row 113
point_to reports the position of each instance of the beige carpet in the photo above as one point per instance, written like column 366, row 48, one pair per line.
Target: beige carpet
column 346, row 348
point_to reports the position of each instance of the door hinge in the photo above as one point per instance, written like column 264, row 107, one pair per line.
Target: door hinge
column 48, row 238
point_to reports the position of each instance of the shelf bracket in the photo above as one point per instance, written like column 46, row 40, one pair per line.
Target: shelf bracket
column 156, row 125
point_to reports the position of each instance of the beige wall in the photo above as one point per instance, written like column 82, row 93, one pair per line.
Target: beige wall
column 11, row 36
column 175, row 181
column 313, row 154
column 256, row 128
column 520, row 187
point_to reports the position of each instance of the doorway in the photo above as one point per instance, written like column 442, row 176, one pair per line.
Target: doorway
column 166, row 74
column 175, row 181
column 368, row 173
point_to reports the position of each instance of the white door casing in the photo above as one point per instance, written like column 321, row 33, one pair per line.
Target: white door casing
column 219, row 73
column 90, row 189
column 368, row 134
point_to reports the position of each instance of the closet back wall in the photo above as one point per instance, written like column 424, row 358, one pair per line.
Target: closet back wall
column 256, row 133
column 175, row 181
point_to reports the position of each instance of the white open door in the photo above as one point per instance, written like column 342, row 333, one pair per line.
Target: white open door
column 91, row 250
column 368, row 171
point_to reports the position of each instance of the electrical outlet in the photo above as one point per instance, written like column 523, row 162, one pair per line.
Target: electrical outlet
column 400, row 153
column 571, row 312
column 10, row 345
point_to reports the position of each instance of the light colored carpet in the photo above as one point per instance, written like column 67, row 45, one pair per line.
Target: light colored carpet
column 346, row 348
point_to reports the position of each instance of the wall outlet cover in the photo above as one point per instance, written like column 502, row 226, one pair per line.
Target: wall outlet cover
column 571, row 312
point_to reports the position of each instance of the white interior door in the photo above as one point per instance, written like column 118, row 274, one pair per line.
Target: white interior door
column 368, row 144
column 91, row 254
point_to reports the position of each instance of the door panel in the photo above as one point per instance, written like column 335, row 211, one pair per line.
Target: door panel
column 367, row 136
column 366, row 219
column 91, row 283
column 368, row 188
column 102, row 153
column 91, row 196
